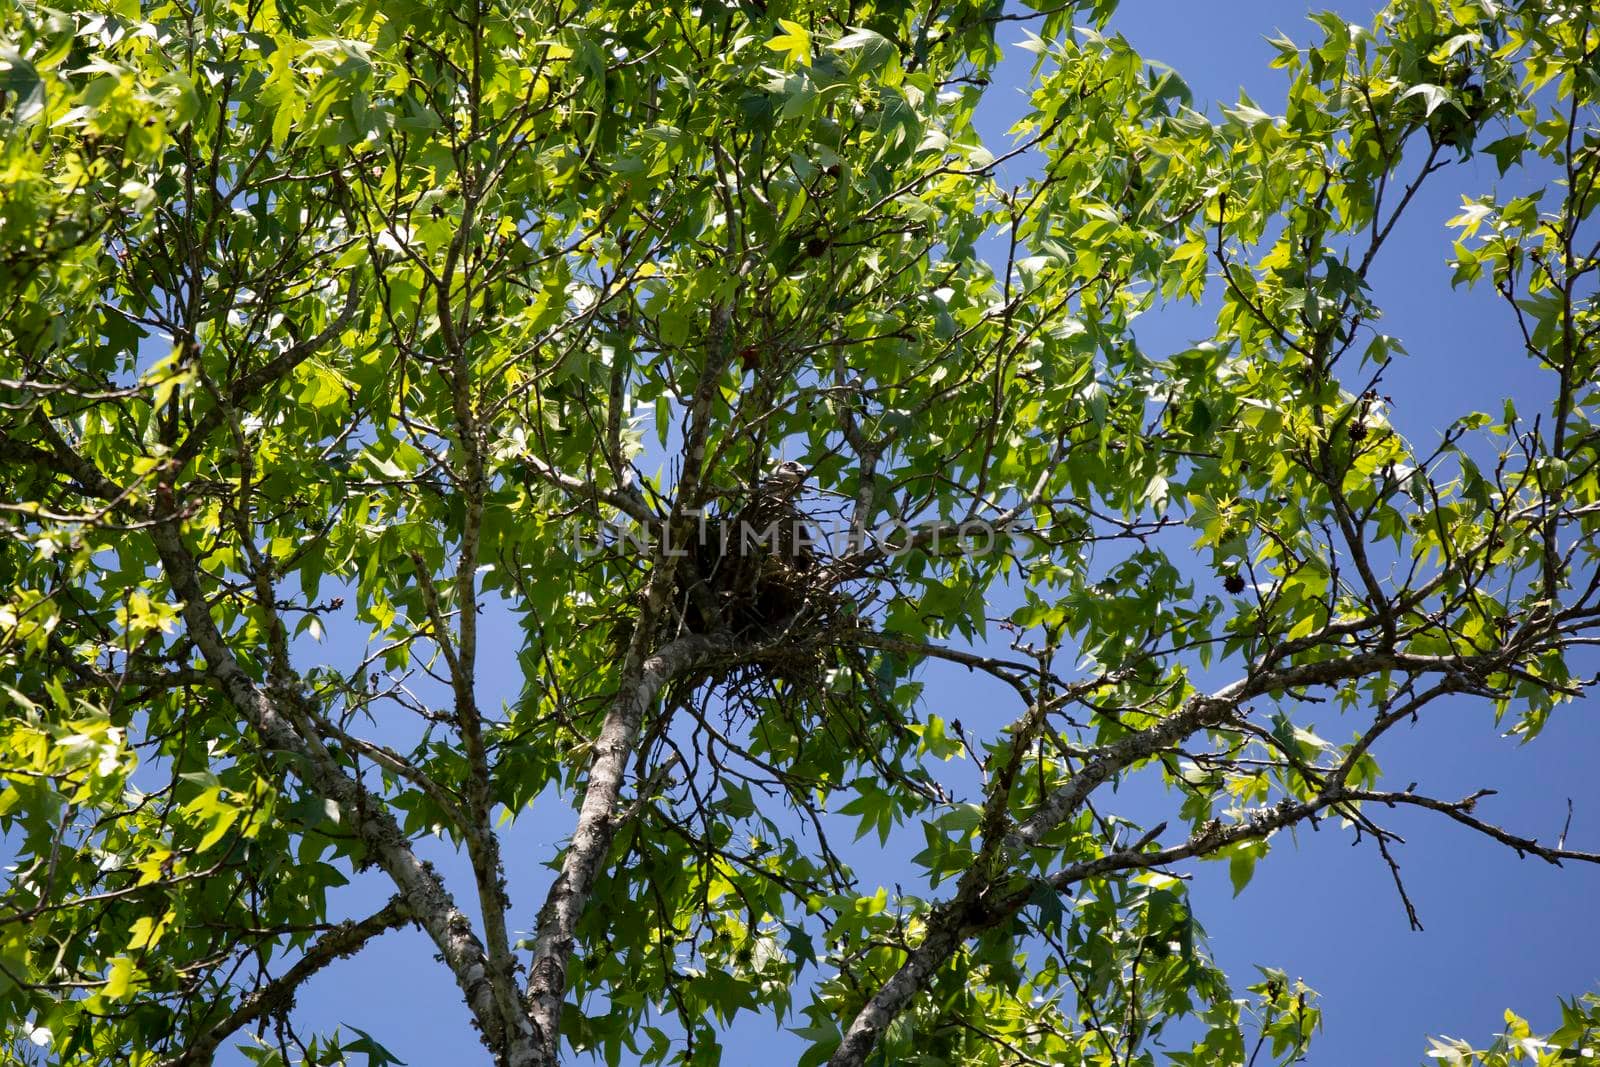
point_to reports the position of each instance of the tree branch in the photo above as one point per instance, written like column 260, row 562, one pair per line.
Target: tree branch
column 345, row 939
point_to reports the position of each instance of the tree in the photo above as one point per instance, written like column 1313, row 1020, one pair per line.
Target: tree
column 357, row 318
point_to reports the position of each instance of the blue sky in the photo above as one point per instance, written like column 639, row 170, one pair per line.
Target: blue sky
column 1499, row 932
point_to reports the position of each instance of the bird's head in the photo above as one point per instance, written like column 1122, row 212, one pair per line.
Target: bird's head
column 785, row 476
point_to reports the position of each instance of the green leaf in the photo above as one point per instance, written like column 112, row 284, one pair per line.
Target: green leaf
column 794, row 42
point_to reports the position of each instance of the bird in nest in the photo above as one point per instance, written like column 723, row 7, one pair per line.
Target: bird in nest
column 754, row 559
column 770, row 524
column 752, row 569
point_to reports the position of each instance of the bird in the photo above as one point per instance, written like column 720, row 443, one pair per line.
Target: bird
column 770, row 524
column 747, row 568
column 753, row 559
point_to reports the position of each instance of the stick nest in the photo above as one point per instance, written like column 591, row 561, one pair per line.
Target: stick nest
column 772, row 592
